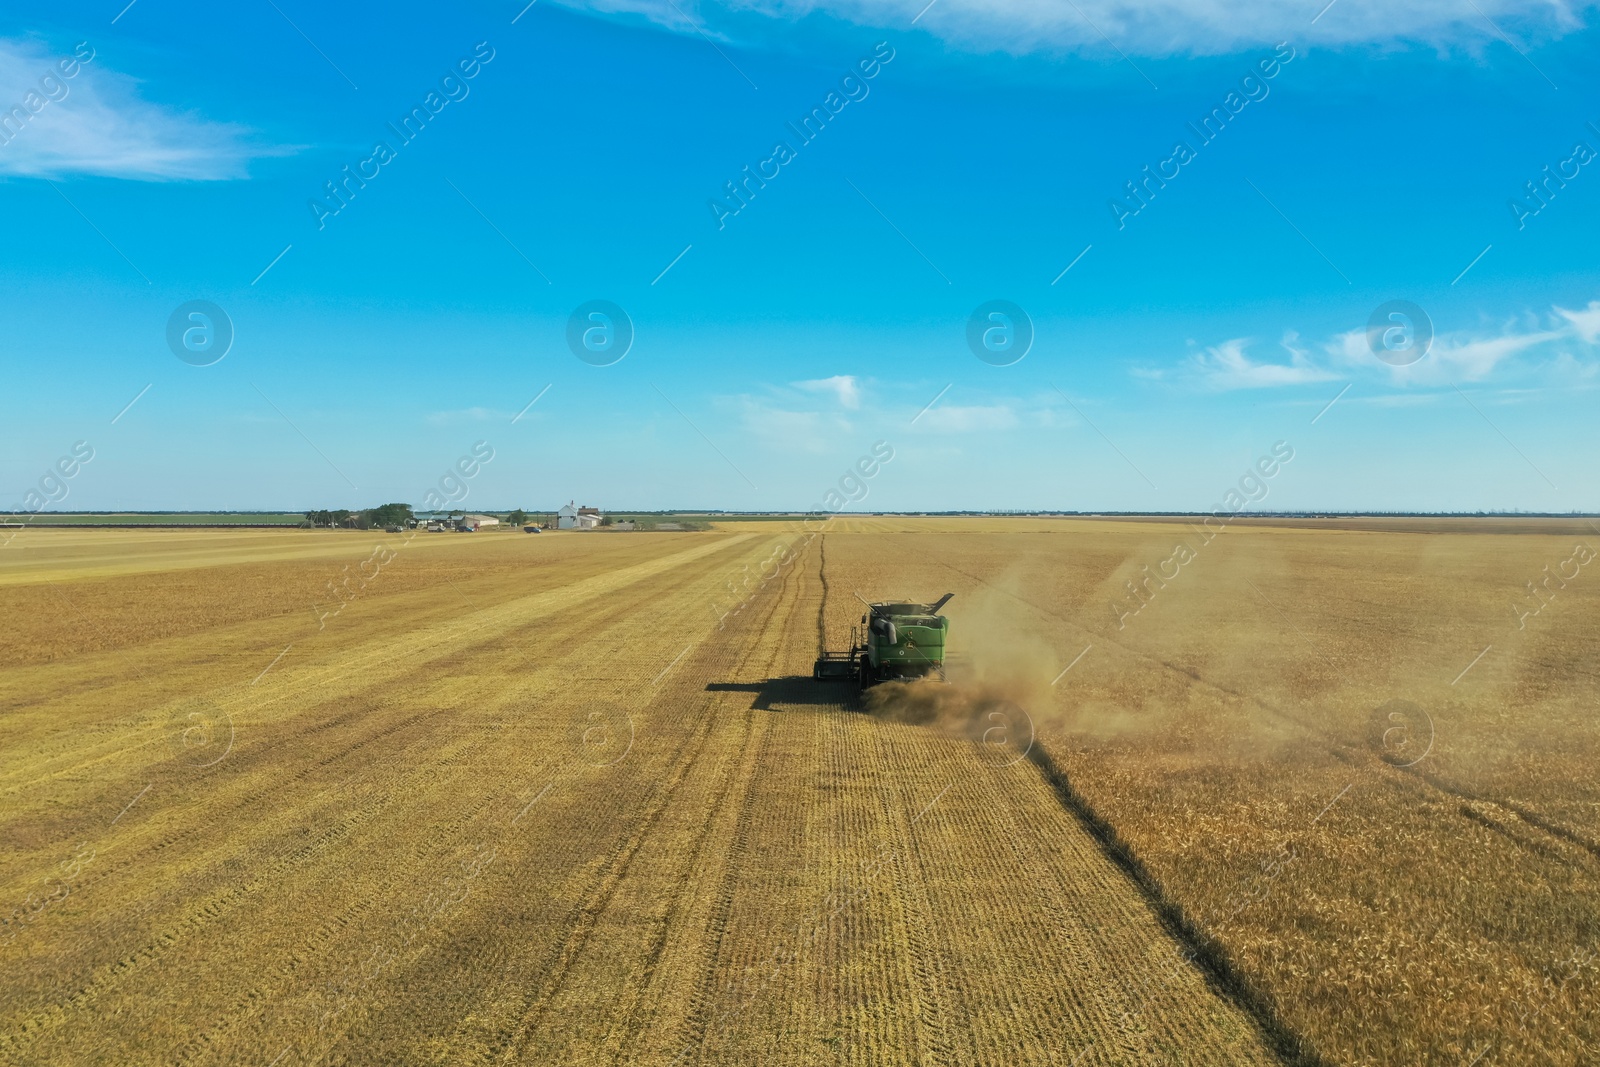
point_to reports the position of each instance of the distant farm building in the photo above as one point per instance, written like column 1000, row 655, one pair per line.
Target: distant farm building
column 572, row 517
column 474, row 522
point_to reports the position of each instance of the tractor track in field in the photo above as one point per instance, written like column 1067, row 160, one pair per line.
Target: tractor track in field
column 259, row 758
column 296, row 854
column 485, row 1024
column 587, row 915
column 697, row 1026
column 703, row 998
column 599, row 897
column 936, row 1021
column 704, row 1019
column 1052, row 892
column 606, row 881
column 246, row 1004
column 278, row 864
column 298, row 727
column 822, row 603
column 626, row 1034
column 198, row 915
column 376, row 655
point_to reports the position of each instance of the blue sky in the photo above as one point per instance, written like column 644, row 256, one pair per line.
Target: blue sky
column 773, row 346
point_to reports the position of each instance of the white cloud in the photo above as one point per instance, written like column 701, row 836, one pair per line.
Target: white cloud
column 1226, row 366
column 96, row 123
column 1585, row 323
column 1464, row 356
column 842, row 386
column 1569, row 367
column 1143, row 27
column 1472, row 359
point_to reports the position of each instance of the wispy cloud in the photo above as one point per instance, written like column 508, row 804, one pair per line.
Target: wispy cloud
column 1585, row 323
column 1145, row 27
column 1472, row 359
column 1226, row 366
column 1462, row 356
column 841, row 386
column 95, row 122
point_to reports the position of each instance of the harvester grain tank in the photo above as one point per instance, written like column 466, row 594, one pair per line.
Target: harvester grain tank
column 895, row 639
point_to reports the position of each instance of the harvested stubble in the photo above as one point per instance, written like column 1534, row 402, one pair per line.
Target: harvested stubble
column 529, row 800
column 535, row 800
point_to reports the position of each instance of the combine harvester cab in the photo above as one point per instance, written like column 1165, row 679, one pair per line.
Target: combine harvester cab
column 895, row 640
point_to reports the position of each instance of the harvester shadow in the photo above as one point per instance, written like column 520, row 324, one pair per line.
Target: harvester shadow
column 1213, row 959
column 793, row 689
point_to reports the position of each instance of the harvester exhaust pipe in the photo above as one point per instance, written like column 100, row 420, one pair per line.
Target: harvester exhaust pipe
column 933, row 609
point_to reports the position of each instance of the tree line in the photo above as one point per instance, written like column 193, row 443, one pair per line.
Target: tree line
column 380, row 517
column 369, row 518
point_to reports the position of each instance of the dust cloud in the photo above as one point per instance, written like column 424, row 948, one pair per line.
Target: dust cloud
column 999, row 673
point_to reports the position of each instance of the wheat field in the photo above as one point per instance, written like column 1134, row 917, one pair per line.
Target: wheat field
column 325, row 797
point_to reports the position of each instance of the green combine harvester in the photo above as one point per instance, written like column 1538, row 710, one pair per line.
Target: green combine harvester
column 896, row 640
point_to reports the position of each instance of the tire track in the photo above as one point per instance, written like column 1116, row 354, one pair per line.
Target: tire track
column 583, row 640
column 210, row 909
column 714, row 960
column 600, row 897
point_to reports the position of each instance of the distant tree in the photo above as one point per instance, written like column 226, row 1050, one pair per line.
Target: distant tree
column 605, row 520
column 389, row 515
column 517, row 518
